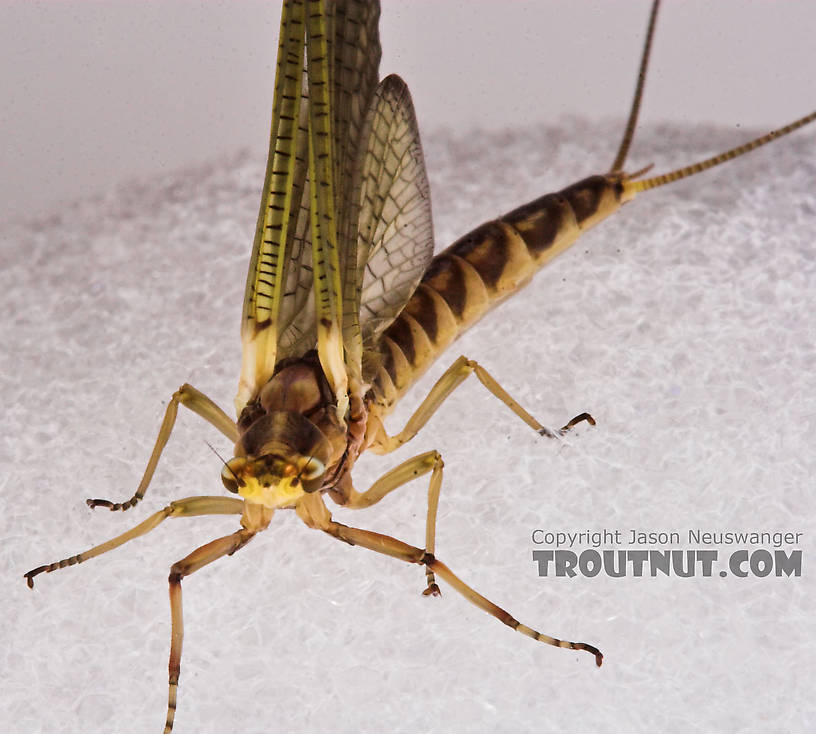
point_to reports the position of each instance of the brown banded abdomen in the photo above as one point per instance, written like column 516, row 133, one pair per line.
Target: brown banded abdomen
column 479, row 270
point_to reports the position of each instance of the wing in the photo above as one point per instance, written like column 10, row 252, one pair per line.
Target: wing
column 326, row 284
column 280, row 206
column 328, row 58
column 395, row 231
column 356, row 54
column 388, row 242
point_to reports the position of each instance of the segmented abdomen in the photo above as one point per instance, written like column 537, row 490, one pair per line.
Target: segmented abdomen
column 479, row 270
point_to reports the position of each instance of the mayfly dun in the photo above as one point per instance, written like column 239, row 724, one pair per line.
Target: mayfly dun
column 345, row 306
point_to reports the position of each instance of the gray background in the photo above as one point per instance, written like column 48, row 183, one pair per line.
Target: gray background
column 95, row 93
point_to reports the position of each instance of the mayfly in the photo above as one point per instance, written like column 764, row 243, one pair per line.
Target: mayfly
column 345, row 307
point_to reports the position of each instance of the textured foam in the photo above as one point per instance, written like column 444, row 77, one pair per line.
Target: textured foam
column 685, row 325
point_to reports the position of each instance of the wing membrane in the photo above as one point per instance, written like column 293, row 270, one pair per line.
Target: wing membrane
column 266, row 268
column 340, row 74
column 345, row 211
column 325, row 256
column 355, row 49
column 395, row 228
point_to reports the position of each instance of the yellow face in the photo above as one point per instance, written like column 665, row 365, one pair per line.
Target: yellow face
column 273, row 481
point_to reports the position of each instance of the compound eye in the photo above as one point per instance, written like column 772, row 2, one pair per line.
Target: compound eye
column 230, row 475
column 311, row 474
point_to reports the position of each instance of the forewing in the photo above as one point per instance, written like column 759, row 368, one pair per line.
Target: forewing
column 354, row 47
column 395, row 231
column 279, row 310
column 325, row 255
column 264, row 289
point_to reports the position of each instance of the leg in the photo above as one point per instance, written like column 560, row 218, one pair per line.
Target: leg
column 450, row 380
column 199, row 558
column 404, row 473
column 189, row 507
column 397, row 549
column 199, row 403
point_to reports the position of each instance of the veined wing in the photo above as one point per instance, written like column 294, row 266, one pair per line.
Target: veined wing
column 279, row 207
column 302, row 229
column 326, row 285
column 392, row 227
column 355, row 50
column 392, row 224
column 395, row 231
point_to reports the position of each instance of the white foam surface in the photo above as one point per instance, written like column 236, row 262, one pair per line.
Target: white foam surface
column 685, row 325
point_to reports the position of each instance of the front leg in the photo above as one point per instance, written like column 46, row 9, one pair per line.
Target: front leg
column 199, row 403
column 188, row 507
